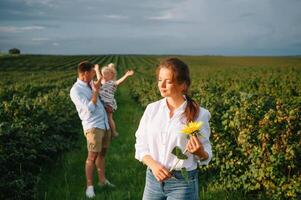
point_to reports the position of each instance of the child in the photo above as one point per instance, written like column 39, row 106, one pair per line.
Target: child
column 108, row 88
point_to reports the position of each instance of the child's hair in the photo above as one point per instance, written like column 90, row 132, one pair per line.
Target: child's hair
column 111, row 65
column 109, row 69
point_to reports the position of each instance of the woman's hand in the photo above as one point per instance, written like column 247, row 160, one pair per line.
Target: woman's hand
column 195, row 147
column 160, row 172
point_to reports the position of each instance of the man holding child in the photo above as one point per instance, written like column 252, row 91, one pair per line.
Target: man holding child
column 85, row 95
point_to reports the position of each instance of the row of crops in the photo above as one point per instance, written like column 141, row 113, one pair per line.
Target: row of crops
column 37, row 119
column 255, row 105
column 256, row 127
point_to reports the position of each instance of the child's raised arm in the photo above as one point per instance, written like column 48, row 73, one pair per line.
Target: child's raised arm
column 125, row 76
column 97, row 70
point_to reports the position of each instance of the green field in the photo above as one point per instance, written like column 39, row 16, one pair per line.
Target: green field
column 255, row 103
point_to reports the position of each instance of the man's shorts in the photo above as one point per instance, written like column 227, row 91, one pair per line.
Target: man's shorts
column 97, row 139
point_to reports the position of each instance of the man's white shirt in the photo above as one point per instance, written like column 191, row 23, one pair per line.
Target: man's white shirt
column 92, row 115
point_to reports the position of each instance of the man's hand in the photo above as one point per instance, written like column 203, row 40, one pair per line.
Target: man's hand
column 96, row 85
column 95, row 90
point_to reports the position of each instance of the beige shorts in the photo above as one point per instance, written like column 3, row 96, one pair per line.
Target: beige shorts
column 97, row 139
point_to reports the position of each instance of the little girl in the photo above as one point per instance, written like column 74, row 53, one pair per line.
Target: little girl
column 109, row 85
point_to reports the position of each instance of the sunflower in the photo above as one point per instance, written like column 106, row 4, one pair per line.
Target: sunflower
column 192, row 128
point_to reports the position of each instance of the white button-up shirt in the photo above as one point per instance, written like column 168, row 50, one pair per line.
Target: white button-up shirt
column 92, row 115
column 158, row 134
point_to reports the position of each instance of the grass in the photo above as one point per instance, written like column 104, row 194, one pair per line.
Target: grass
column 66, row 179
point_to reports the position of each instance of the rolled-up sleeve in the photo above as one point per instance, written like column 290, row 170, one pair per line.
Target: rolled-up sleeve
column 81, row 101
column 205, row 131
column 141, row 146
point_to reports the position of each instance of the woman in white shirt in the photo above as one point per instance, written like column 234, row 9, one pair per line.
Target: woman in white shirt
column 159, row 132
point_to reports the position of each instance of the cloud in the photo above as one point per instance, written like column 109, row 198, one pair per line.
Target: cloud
column 49, row 3
column 45, row 41
column 166, row 16
column 14, row 29
column 40, row 39
column 116, row 16
column 55, row 44
column 170, row 26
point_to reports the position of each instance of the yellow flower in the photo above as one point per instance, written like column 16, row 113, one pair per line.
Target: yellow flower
column 192, row 128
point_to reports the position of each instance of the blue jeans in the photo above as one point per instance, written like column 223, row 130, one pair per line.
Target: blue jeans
column 173, row 188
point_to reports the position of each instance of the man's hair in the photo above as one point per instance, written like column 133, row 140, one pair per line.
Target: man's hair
column 84, row 66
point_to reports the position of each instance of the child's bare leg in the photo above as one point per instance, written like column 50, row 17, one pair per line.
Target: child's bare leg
column 112, row 125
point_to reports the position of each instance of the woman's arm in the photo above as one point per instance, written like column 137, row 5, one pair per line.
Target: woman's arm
column 195, row 147
column 142, row 152
column 201, row 146
column 159, row 171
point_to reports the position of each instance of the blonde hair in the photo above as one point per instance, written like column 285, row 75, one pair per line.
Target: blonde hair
column 110, row 68
column 111, row 65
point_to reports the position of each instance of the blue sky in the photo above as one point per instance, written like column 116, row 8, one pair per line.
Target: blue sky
column 198, row 27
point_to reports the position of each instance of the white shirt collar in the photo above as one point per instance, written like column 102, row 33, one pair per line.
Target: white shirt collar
column 157, row 135
column 181, row 108
column 82, row 82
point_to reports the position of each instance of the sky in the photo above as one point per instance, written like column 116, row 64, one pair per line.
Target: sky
column 192, row 27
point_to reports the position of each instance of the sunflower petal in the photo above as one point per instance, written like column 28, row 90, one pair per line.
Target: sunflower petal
column 192, row 127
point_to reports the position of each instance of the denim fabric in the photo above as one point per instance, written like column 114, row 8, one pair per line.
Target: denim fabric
column 174, row 188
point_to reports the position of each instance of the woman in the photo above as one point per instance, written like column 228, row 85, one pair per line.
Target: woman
column 159, row 132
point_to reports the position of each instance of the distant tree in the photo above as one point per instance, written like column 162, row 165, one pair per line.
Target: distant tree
column 14, row 51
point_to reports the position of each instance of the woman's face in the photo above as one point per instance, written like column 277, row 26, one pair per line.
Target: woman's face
column 167, row 86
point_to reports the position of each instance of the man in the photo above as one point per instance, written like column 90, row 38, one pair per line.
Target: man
column 85, row 95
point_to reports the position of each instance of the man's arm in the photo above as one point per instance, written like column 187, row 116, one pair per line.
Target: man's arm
column 81, row 101
column 94, row 97
column 95, row 91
